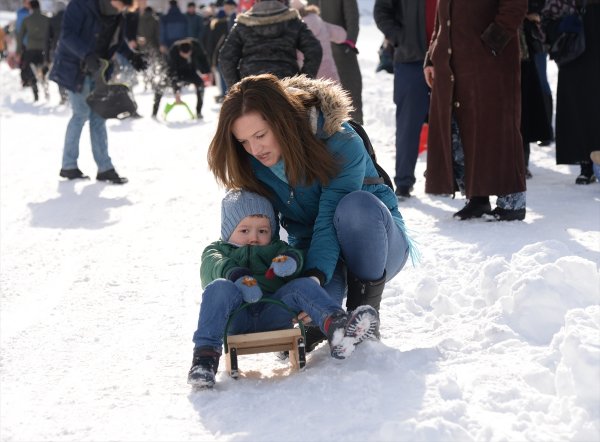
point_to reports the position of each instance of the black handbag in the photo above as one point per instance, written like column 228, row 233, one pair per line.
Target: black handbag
column 111, row 100
column 566, row 37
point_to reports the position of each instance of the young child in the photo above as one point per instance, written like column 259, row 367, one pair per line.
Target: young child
column 248, row 263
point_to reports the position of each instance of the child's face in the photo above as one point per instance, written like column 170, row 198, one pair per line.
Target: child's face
column 252, row 231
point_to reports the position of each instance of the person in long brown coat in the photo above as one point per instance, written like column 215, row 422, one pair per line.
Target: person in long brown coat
column 473, row 68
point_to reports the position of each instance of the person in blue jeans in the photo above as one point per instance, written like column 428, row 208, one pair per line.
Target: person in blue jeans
column 249, row 262
column 91, row 30
column 290, row 140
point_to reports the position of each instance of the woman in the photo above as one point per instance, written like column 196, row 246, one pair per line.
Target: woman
column 472, row 66
column 289, row 140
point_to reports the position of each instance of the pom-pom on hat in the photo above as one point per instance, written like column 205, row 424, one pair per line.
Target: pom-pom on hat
column 298, row 4
column 238, row 204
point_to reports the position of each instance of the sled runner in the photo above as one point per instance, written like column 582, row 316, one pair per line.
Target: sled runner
column 291, row 340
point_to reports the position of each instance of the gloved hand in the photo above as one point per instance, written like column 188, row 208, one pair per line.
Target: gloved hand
column 282, row 265
column 138, row 61
column 251, row 292
column 349, row 46
column 92, row 63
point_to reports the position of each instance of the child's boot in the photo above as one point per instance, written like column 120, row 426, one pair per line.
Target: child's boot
column 347, row 330
column 204, row 367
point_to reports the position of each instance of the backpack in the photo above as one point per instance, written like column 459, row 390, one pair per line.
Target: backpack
column 384, row 178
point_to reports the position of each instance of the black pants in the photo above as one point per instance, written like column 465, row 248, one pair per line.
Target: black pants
column 31, row 58
column 181, row 81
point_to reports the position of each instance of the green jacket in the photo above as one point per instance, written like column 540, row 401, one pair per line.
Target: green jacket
column 34, row 32
column 220, row 258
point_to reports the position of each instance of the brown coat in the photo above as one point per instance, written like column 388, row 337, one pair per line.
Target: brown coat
column 475, row 55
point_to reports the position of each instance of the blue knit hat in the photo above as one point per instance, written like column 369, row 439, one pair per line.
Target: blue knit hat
column 238, row 204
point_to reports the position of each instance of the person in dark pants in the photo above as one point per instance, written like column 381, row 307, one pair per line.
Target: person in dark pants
column 186, row 57
column 32, row 48
column 408, row 26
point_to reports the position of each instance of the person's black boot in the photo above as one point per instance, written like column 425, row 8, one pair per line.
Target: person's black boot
column 205, row 364
column 364, row 292
column 73, row 174
column 475, row 208
column 112, row 176
column 587, row 173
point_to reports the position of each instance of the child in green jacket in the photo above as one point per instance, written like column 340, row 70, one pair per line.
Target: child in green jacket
column 246, row 264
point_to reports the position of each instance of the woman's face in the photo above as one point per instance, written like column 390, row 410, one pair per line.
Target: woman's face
column 257, row 138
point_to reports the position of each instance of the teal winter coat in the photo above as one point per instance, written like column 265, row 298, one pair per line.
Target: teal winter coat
column 306, row 212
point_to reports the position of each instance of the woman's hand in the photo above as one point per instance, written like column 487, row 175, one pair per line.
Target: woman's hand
column 429, row 75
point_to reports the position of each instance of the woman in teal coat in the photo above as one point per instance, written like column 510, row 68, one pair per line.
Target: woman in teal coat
column 290, row 141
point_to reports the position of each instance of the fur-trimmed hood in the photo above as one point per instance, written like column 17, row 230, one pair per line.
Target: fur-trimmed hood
column 335, row 102
column 267, row 13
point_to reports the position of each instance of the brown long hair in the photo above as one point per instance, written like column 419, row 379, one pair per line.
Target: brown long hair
column 306, row 157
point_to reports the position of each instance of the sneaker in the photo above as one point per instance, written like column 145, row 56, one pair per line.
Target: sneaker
column 112, row 176
column 346, row 330
column 403, row 192
column 73, row 174
column 476, row 207
column 205, row 364
column 500, row 214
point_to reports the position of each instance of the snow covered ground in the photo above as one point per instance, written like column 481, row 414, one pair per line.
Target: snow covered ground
column 493, row 336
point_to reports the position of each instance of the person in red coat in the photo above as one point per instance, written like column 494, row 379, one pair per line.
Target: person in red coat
column 473, row 68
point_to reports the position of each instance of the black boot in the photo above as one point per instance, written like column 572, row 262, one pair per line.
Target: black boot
column 205, row 364
column 587, row 173
column 475, row 208
column 364, row 292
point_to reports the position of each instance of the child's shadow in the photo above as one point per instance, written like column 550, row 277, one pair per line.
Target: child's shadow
column 72, row 210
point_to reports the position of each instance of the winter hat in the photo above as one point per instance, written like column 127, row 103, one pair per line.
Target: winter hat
column 238, row 204
column 298, row 4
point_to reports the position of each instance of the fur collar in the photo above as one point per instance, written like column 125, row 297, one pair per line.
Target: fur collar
column 335, row 102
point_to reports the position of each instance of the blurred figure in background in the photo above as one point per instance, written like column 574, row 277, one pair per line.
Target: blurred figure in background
column 185, row 61
column 173, row 27
column 345, row 13
column 265, row 40
column 326, row 33
column 578, row 95
column 32, row 47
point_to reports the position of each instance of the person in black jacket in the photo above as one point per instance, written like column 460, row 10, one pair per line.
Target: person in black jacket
column 185, row 59
column 407, row 25
column 265, row 40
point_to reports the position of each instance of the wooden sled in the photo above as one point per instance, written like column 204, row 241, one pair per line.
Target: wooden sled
column 291, row 340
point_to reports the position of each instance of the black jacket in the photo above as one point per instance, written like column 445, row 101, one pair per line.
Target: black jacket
column 403, row 24
column 265, row 40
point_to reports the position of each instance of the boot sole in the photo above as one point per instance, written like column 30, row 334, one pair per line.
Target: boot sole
column 362, row 325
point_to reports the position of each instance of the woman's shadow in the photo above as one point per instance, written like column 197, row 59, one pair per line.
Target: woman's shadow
column 73, row 210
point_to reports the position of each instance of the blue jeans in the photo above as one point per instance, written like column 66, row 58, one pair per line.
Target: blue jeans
column 221, row 297
column 411, row 96
column 99, row 139
column 371, row 241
